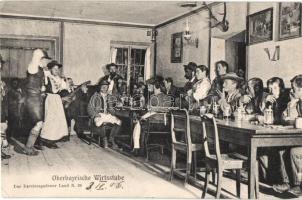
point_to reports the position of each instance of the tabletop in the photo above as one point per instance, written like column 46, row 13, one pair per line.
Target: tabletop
column 255, row 129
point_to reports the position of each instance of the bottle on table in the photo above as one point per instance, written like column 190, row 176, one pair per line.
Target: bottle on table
column 269, row 115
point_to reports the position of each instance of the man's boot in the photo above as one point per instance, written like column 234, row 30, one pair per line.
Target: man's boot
column 105, row 142
column 38, row 145
column 114, row 131
column 29, row 150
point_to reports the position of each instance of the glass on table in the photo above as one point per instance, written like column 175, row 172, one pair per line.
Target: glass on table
column 227, row 112
column 202, row 110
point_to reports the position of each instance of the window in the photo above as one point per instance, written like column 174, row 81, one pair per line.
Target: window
column 130, row 59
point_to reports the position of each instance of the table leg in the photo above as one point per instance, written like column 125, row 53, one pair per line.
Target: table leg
column 252, row 170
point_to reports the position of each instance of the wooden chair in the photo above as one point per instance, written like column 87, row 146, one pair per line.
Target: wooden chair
column 86, row 122
column 89, row 129
column 217, row 160
column 161, row 133
column 180, row 126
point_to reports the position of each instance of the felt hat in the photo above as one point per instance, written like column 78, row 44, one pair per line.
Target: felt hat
column 111, row 64
column 231, row 76
column 53, row 63
column 103, row 82
column 46, row 55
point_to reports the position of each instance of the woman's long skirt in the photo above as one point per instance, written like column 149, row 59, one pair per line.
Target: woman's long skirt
column 55, row 124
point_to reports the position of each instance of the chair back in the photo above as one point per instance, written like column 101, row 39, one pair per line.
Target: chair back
column 180, row 127
column 162, row 119
column 210, row 129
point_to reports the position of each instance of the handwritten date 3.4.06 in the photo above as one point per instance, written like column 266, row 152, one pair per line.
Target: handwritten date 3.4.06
column 104, row 185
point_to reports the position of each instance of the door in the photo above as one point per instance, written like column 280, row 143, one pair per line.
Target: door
column 217, row 53
column 17, row 54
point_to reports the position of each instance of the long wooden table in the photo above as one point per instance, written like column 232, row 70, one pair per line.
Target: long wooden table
column 252, row 136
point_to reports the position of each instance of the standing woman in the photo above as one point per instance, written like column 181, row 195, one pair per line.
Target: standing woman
column 34, row 107
column 55, row 125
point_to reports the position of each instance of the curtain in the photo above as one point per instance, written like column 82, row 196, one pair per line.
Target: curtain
column 148, row 64
column 113, row 55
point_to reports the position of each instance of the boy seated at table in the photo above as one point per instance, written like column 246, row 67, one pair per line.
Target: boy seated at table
column 291, row 158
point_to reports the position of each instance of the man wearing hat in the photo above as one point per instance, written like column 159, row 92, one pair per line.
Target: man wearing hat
column 100, row 110
column 230, row 94
column 4, row 115
column 112, row 78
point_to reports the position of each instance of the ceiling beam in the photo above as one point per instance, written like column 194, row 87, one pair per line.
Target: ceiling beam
column 81, row 21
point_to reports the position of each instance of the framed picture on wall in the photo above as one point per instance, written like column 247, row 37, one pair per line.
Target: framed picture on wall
column 176, row 48
column 260, row 26
column 289, row 20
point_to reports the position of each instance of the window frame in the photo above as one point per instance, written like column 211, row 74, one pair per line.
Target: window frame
column 130, row 46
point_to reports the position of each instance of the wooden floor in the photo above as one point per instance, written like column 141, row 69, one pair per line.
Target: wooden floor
column 25, row 176
column 76, row 158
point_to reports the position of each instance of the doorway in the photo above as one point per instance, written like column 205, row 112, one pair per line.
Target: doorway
column 232, row 49
column 17, row 54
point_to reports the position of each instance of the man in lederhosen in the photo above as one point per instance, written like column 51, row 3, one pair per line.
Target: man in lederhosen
column 34, row 106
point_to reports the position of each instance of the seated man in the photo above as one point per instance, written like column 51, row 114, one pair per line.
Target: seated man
column 221, row 68
column 100, row 111
column 186, row 92
column 291, row 158
column 201, row 88
column 230, row 95
column 170, row 88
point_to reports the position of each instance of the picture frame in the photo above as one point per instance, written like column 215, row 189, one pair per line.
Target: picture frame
column 289, row 20
column 176, row 47
column 260, row 26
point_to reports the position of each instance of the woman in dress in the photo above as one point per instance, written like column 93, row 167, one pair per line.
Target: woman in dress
column 55, row 124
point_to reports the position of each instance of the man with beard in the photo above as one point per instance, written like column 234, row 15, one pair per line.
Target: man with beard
column 112, row 78
column 186, row 92
column 190, row 70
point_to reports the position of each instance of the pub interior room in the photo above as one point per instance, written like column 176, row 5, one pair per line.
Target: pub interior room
column 151, row 99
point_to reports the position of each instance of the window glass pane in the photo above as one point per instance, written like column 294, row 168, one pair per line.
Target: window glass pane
column 137, row 62
column 143, row 57
column 122, row 62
